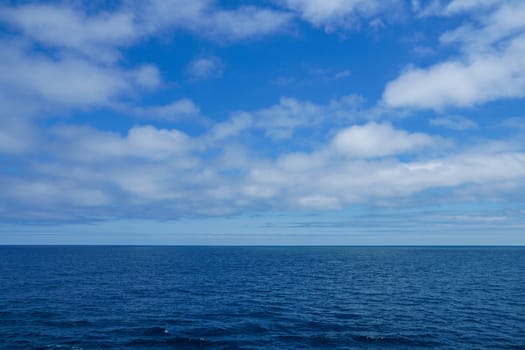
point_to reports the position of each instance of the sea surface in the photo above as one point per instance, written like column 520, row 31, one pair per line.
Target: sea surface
column 262, row 297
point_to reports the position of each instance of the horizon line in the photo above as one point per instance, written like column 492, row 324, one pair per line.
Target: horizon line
column 263, row 245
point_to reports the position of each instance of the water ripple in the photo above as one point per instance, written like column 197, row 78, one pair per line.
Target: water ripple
column 261, row 298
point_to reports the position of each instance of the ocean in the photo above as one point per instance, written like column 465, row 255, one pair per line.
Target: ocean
column 129, row 297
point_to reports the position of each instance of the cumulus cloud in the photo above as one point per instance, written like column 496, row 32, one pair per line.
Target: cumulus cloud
column 491, row 65
column 455, row 83
column 378, row 140
column 86, row 144
column 332, row 181
column 213, row 174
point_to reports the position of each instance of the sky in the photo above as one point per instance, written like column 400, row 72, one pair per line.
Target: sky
column 262, row 122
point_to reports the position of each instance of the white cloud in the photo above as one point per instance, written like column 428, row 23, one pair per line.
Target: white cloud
column 142, row 142
column 229, row 128
column 345, row 14
column 282, row 120
column 491, row 66
column 70, row 28
column 52, row 193
column 378, row 140
column 246, row 22
column 454, row 83
column 99, row 34
column 175, row 111
column 205, row 18
column 358, row 181
column 214, row 173
column 205, row 68
column 497, row 27
column 67, row 81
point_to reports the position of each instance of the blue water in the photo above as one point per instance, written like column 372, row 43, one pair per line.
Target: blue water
column 262, row 298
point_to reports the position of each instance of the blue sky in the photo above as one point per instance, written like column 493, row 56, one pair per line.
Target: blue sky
column 262, row 122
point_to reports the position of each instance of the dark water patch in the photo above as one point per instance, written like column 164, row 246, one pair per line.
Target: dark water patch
column 156, row 331
column 65, row 323
column 315, row 341
column 178, row 343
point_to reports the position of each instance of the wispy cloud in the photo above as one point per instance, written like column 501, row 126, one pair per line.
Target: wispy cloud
column 205, row 18
column 343, row 74
column 66, row 27
column 454, row 122
column 340, row 14
column 178, row 110
column 68, row 80
column 205, row 68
